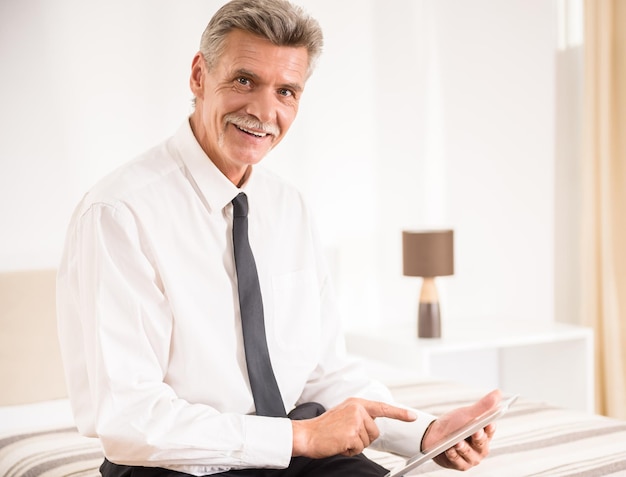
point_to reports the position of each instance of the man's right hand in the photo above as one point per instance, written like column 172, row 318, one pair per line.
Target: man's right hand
column 346, row 429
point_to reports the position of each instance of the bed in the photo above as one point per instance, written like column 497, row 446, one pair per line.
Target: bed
column 38, row 438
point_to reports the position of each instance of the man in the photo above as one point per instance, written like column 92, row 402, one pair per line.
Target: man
column 153, row 305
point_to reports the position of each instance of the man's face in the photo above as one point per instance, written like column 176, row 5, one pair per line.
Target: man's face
column 246, row 103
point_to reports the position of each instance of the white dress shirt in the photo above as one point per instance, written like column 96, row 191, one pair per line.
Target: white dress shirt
column 150, row 327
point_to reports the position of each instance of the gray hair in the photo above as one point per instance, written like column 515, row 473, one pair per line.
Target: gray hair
column 278, row 21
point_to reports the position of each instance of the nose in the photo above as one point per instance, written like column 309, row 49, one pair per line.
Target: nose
column 262, row 105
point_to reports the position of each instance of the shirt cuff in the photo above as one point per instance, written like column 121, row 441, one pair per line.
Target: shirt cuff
column 403, row 438
column 269, row 442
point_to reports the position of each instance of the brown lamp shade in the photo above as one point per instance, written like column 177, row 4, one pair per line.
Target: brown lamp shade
column 428, row 253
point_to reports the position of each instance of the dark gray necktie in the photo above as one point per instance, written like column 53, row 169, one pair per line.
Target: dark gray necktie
column 267, row 398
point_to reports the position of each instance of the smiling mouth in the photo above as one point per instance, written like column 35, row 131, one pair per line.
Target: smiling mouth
column 252, row 133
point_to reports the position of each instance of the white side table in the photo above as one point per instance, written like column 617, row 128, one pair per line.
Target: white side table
column 552, row 362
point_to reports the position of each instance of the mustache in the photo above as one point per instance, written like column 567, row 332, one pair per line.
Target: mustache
column 250, row 122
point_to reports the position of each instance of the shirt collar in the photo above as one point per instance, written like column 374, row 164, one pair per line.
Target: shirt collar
column 214, row 186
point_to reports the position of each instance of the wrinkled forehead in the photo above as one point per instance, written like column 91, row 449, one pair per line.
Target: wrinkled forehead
column 256, row 55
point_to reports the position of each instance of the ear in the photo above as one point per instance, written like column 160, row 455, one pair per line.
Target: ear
column 196, row 80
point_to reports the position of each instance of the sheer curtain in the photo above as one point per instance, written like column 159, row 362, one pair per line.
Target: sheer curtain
column 604, row 197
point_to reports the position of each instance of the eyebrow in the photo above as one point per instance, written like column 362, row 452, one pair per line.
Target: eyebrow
column 243, row 72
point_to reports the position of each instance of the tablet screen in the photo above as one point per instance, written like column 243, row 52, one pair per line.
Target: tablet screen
column 454, row 437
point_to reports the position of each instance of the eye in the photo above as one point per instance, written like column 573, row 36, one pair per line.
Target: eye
column 243, row 81
column 285, row 92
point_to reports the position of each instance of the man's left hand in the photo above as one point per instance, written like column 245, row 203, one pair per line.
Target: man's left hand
column 472, row 451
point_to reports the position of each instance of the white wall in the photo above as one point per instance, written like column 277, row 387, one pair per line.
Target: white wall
column 422, row 112
column 497, row 63
column 568, row 163
column 86, row 85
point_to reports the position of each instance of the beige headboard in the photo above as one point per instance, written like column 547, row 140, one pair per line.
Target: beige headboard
column 30, row 360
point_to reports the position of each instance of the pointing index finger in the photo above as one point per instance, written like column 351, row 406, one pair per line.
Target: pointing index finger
column 380, row 409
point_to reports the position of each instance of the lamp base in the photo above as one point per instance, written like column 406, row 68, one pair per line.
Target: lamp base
column 428, row 321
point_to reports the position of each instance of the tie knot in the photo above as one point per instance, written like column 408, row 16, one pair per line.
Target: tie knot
column 240, row 205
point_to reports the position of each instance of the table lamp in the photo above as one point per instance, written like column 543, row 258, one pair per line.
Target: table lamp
column 428, row 254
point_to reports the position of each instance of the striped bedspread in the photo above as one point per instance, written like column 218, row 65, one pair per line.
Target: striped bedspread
column 533, row 439
column 49, row 453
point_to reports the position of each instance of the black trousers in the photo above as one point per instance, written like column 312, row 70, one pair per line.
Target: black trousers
column 335, row 466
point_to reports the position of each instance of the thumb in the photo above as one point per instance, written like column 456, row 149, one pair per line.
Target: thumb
column 487, row 402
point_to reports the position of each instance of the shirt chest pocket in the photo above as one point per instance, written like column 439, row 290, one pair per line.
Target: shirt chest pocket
column 296, row 315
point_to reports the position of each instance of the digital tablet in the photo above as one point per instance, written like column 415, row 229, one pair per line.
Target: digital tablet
column 454, row 437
